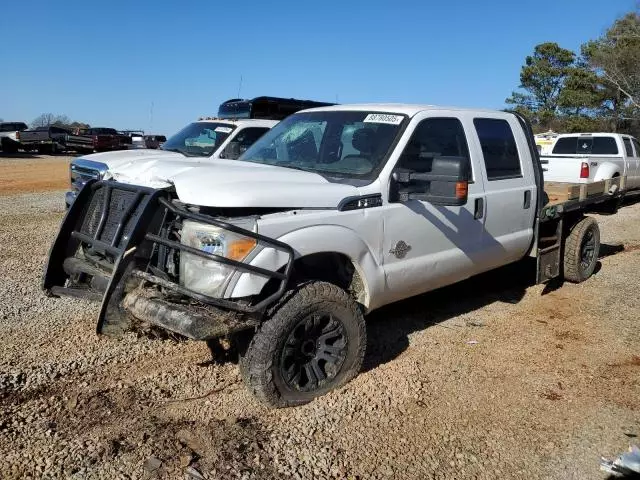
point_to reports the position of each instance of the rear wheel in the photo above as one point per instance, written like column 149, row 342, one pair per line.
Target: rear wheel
column 581, row 250
column 314, row 342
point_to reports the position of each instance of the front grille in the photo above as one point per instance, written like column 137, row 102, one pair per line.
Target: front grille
column 81, row 175
column 119, row 205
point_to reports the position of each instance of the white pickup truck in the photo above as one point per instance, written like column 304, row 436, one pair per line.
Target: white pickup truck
column 333, row 213
column 593, row 157
column 202, row 141
column 10, row 136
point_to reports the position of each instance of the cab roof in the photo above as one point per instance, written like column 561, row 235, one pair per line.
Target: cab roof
column 241, row 122
column 594, row 134
column 401, row 108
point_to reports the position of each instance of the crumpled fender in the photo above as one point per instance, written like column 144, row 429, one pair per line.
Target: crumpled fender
column 316, row 239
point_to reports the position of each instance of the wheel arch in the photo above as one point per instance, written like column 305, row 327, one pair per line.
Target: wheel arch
column 338, row 246
column 607, row 170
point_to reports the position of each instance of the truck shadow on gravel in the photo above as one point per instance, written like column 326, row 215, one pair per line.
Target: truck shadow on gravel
column 389, row 328
column 631, row 199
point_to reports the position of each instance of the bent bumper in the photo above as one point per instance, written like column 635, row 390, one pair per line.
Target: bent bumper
column 147, row 305
column 109, row 249
column 185, row 320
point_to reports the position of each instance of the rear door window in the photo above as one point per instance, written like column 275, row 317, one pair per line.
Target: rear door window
column 627, row 146
column 499, row 148
column 637, row 147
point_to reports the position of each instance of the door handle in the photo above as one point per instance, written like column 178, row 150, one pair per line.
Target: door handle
column 527, row 199
column 479, row 210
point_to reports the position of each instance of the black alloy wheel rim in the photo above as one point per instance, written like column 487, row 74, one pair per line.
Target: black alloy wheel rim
column 314, row 352
column 588, row 249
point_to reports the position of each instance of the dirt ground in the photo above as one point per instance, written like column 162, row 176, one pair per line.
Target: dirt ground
column 24, row 173
column 491, row 378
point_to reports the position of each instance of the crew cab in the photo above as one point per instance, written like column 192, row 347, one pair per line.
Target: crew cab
column 205, row 140
column 592, row 157
column 10, row 136
column 333, row 213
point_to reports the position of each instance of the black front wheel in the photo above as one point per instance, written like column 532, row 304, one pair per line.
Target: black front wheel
column 314, row 342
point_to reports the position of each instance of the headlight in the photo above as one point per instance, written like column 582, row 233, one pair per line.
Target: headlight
column 207, row 276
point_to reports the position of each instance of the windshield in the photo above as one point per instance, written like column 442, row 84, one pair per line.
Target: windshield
column 337, row 143
column 199, row 139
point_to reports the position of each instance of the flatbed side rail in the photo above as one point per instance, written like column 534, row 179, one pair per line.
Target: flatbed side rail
column 586, row 197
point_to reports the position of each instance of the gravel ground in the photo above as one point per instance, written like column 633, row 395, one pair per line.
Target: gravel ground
column 551, row 385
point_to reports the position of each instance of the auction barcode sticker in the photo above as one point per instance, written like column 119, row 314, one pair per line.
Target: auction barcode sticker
column 223, row 129
column 383, row 118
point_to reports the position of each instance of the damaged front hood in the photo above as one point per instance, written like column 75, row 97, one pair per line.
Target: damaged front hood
column 228, row 183
column 125, row 158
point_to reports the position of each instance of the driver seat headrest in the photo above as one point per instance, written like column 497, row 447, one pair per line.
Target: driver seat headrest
column 363, row 140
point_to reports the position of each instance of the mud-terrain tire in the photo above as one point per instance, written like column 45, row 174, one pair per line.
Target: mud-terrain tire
column 315, row 331
column 581, row 249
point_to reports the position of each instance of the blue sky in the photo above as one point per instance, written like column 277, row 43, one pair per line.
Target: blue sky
column 105, row 63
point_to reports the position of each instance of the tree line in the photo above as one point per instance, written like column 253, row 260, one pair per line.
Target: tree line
column 597, row 89
column 49, row 120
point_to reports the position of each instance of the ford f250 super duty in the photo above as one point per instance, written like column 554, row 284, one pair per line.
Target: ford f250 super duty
column 592, row 157
column 333, row 213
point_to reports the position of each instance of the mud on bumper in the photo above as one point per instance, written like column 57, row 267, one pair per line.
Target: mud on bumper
column 111, row 248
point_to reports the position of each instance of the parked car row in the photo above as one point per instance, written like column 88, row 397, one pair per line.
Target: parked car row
column 16, row 136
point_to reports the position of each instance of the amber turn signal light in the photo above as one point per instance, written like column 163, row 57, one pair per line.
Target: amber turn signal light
column 462, row 190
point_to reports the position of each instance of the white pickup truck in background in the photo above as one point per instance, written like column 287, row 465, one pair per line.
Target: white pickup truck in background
column 201, row 141
column 10, row 136
column 592, row 157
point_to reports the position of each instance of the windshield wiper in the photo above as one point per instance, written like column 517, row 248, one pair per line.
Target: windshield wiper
column 293, row 166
